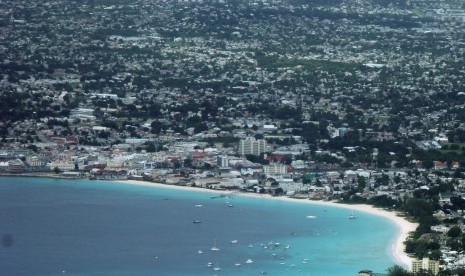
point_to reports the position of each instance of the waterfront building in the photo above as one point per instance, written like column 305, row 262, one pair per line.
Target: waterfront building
column 16, row 166
column 425, row 265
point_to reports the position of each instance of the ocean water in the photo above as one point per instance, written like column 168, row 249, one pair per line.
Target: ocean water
column 83, row 227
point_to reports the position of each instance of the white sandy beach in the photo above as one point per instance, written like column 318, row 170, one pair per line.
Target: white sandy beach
column 404, row 226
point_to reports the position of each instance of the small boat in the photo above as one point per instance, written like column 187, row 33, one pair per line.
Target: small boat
column 214, row 247
column 249, row 261
column 311, row 217
column 352, row 216
column 250, row 245
column 304, row 261
column 237, row 264
column 234, row 241
column 198, row 205
column 217, row 267
column 287, row 246
column 200, row 251
column 198, row 216
column 209, row 264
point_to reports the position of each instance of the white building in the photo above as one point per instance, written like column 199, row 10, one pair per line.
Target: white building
column 222, row 161
column 62, row 165
column 251, row 145
column 425, row 264
column 275, row 169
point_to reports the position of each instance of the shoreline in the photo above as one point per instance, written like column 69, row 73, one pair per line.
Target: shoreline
column 397, row 247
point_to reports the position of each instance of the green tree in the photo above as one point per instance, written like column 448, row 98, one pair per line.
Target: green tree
column 256, row 159
column 151, row 147
column 454, row 232
column 188, row 162
column 398, row 271
column 156, row 127
column 279, row 191
column 361, row 182
column 34, row 148
column 418, row 207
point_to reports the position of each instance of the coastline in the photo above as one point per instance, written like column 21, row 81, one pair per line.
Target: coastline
column 397, row 248
column 39, row 175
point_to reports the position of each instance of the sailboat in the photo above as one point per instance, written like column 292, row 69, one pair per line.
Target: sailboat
column 197, row 220
column 352, row 216
column 217, row 267
column 214, row 247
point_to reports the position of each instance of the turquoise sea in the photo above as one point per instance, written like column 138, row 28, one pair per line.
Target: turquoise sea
column 83, row 227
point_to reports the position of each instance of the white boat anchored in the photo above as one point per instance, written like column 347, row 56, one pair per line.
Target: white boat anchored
column 352, row 216
column 217, row 267
column 214, row 247
column 249, row 261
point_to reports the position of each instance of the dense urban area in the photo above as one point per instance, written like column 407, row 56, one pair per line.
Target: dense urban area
column 357, row 101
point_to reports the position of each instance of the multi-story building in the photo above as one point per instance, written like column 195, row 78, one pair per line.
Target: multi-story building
column 275, row 169
column 425, row 265
column 62, row 165
column 16, row 166
column 222, row 161
column 252, row 146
